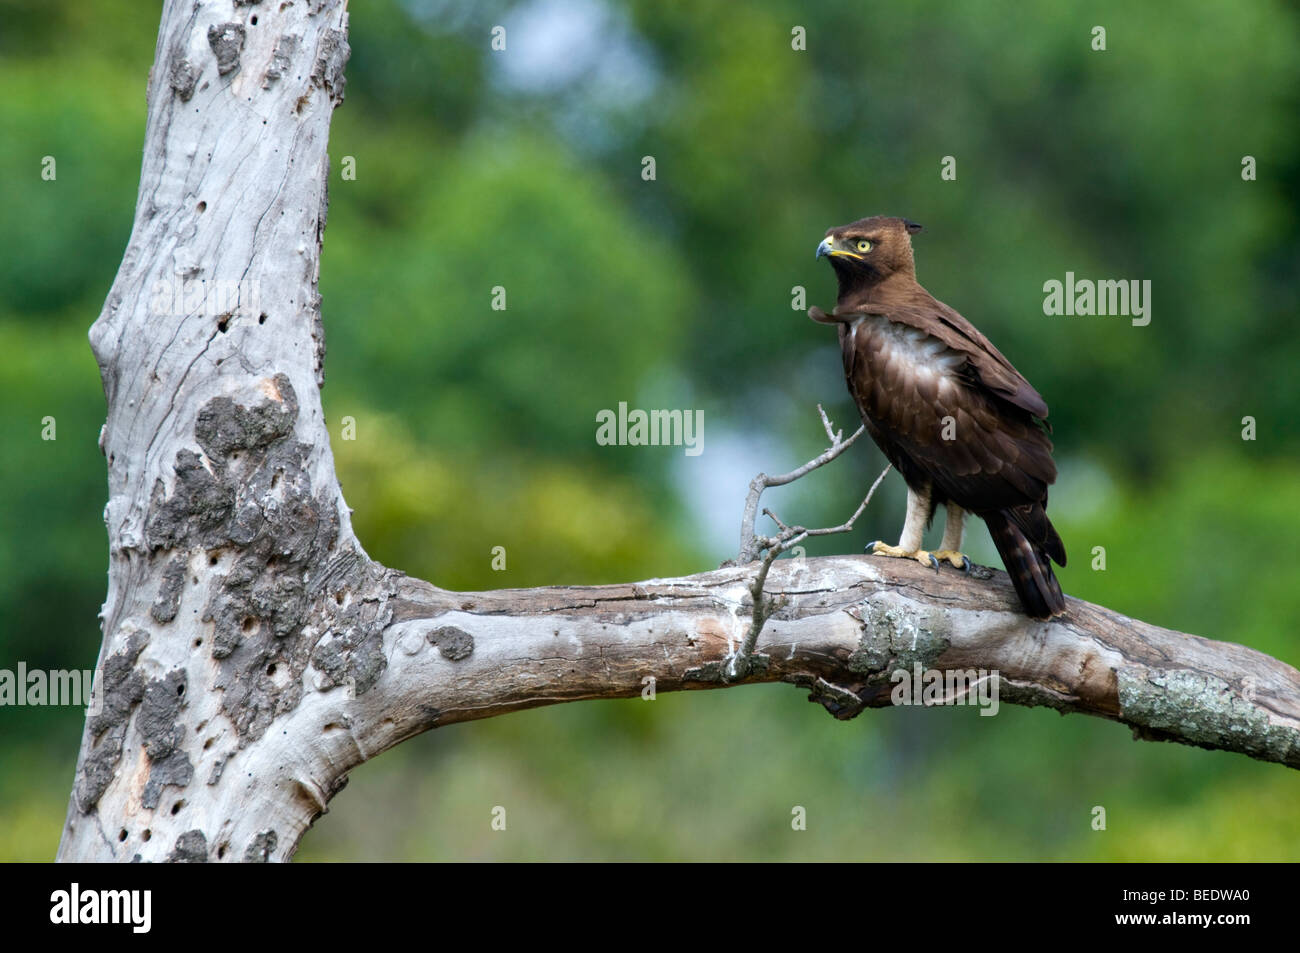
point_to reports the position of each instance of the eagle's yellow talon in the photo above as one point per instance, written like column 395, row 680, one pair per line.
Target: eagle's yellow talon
column 923, row 557
column 954, row 559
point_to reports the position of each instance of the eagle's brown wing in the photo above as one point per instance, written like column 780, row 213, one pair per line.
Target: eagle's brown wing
column 920, row 374
column 915, row 387
column 922, row 311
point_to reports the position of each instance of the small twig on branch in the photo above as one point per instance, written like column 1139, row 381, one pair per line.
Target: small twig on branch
column 787, row 537
column 750, row 544
column 844, row 527
column 739, row 665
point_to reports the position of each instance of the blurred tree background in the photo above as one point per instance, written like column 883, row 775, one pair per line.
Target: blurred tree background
column 475, row 428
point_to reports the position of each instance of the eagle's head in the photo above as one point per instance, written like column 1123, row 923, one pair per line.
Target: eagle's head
column 866, row 252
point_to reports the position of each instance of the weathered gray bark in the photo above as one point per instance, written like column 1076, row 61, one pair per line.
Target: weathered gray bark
column 253, row 654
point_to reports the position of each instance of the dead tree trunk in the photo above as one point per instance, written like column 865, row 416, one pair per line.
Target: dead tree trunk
column 253, row 654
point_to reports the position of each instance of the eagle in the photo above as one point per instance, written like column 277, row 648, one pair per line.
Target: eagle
column 959, row 423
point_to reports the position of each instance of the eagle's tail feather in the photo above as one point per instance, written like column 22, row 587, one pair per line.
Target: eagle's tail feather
column 1028, row 564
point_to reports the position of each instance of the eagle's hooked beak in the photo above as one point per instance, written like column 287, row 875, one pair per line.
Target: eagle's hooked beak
column 827, row 248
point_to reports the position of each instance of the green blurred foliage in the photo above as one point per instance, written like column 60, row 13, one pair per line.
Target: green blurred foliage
column 474, row 427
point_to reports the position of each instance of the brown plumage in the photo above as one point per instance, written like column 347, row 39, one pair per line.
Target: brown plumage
column 914, row 365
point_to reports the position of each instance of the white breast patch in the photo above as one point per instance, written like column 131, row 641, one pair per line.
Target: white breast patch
column 923, row 354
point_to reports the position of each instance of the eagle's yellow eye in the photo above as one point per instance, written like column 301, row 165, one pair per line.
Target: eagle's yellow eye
column 864, row 246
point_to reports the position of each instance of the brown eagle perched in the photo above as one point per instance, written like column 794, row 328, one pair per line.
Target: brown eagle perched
column 952, row 415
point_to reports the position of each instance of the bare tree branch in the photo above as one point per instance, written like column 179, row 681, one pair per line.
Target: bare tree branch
column 845, row 626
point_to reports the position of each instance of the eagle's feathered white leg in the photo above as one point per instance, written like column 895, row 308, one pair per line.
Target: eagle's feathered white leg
column 918, row 514
column 909, row 544
column 950, row 548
